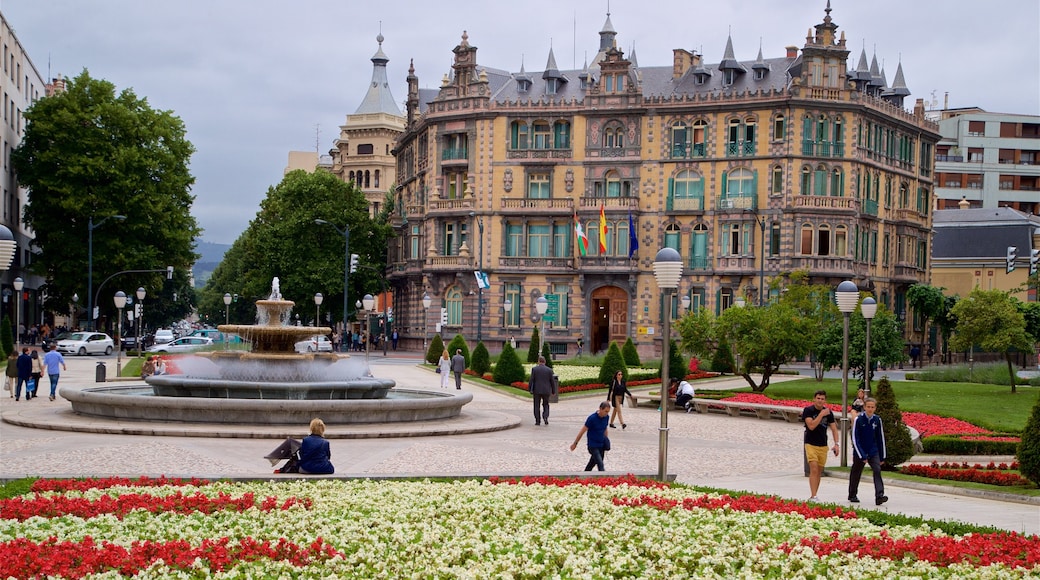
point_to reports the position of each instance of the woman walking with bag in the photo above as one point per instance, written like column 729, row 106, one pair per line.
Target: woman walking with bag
column 37, row 373
column 618, row 391
column 444, row 369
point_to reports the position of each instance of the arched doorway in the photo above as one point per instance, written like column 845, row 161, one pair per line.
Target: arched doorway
column 608, row 319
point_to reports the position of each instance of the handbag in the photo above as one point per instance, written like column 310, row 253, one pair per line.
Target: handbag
column 30, row 386
column 438, row 370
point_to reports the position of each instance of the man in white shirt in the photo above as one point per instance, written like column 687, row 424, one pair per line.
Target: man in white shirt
column 684, row 394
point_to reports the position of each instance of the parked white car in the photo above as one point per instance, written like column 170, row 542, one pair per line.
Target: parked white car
column 185, row 344
column 316, row 343
column 164, row 335
column 83, row 343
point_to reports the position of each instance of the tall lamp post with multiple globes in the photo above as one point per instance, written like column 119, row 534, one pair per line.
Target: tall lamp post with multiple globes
column 120, row 301
column 139, row 311
column 846, row 296
column 318, row 299
column 667, row 271
column 541, row 306
column 18, row 285
column 368, row 302
column 869, row 308
column 426, row 319
column 227, row 315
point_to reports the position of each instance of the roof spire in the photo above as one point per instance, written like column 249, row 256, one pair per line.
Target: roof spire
column 378, row 99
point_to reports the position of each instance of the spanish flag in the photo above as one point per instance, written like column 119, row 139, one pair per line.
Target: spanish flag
column 582, row 239
column 602, row 230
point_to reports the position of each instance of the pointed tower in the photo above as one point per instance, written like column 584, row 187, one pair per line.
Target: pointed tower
column 363, row 153
column 554, row 79
column 730, row 67
column 523, row 80
column 825, row 59
column 413, row 93
column 760, row 67
column 899, row 90
column 607, row 40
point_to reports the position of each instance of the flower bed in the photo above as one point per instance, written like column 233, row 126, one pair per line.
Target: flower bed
column 991, row 474
column 526, row 528
column 579, row 385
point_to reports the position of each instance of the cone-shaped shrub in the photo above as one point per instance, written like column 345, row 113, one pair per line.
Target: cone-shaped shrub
column 6, row 337
column 509, row 368
column 1029, row 448
column 457, row 343
column 897, row 436
column 547, row 354
column 532, row 349
column 722, row 360
column 436, row 349
column 630, row 354
column 481, row 362
column 612, row 363
column 676, row 362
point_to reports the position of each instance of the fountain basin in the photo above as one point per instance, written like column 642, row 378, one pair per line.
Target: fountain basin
column 139, row 403
column 217, row 388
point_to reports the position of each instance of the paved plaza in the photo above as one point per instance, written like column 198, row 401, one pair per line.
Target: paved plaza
column 496, row 435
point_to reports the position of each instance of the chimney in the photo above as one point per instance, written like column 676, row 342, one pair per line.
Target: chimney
column 919, row 109
column 792, row 51
column 682, row 60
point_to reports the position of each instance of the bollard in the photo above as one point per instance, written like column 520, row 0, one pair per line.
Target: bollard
column 100, row 374
column 555, row 396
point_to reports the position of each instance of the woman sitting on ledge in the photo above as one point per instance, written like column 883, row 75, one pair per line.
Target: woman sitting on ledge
column 314, row 452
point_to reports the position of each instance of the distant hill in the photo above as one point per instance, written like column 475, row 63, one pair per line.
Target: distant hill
column 211, row 256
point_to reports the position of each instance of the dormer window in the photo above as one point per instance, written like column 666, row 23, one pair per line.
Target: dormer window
column 552, row 86
column 760, row 73
column 727, row 76
column 523, row 85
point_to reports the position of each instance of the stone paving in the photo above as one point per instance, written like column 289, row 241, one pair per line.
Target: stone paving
column 739, row 453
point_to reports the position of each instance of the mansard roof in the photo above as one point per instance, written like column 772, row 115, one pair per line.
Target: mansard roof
column 378, row 98
column 982, row 232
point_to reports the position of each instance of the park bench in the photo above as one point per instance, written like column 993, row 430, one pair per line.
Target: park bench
column 736, row 409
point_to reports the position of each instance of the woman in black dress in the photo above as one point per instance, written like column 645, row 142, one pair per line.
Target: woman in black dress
column 618, row 391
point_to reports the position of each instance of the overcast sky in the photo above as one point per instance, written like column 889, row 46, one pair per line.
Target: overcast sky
column 255, row 79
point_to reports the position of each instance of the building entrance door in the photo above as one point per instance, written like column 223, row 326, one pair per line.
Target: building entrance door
column 608, row 319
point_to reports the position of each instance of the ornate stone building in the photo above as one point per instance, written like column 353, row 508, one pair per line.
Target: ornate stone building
column 750, row 169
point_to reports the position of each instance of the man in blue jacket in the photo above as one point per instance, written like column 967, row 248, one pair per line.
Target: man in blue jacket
column 24, row 364
column 868, row 446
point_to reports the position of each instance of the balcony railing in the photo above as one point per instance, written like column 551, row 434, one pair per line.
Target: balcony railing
column 526, row 203
column 538, row 263
column 739, row 203
column 449, row 262
column 453, row 153
column 449, row 204
column 832, row 265
column 609, row 202
column 687, row 151
column 740, row 148
column 828, row 202
column 823, row 148
column 907, row 215
column 700, row 263
column 685, row 204
column 870, row 207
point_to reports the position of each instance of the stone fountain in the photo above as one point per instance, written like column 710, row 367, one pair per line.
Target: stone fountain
column 269, row 384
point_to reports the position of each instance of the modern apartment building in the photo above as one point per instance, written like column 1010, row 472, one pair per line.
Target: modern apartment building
column 990, row 160
column 566, row 183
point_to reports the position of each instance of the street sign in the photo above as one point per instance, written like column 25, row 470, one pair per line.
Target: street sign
column 482, row 280
column 552, row 313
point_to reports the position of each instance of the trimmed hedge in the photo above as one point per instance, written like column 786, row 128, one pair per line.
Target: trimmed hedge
column 954, row 445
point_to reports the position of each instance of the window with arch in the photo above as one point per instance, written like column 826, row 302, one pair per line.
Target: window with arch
column 351, row 177
column 805, row 246
column 820, row 180
column 518, row 135
column 542, row 135
column 841, row 241
column 837, row 183
column 740, row 189
column 699, row 247
column 823, row 241
column 453, row 304
column 776, row 184
column 592, row 233
column 680, row 140
column 806, row 181
column 376, row 178
column 740, row 137
column 779, row 128
column 621, row 239
column 511, row 316
column 368, row 178
column 614, row 136
column 699, row 140
column 686, row 191
column 672, row 235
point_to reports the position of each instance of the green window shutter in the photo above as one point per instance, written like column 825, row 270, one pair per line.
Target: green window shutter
column 671, row 193
column 754, row 189
column 723, row 194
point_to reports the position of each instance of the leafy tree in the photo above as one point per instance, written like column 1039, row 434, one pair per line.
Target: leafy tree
column 677, row 368
column 271, row 245
column 886, row 341
column 436, row 350
column 547, row 354
column 1029, row 448
column 481, row 359
column 6, row 337
column 612, row 363
column 89, row 154
column 814, row 302
column 897, row 435
column 989, row 319
column 532, row 349
column 1031, row 314
column 761, row 339
column 631, row 354
column 946, row 322
column 509, row 369
column 459, row 343
column 927, row 302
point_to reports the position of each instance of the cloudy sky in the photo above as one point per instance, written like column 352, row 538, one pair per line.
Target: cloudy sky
column 255, row 79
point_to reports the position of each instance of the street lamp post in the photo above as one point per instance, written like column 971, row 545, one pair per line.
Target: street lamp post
column 541, row 305
column 139, row 309
column 846, row 296
column 345, row 232
column 426, row 319
column 7, row 247
column 507, row 312
column 667, row 271
column 18, row 285
column 318, row 299
column 368, row 302
column 761, row 221
column 480, row 285
column 227, row 316
column 91, row 226
column 686, row 302
column 120, row 302
column 869, row 308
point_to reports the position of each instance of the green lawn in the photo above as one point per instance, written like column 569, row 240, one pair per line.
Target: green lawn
column 993, row 407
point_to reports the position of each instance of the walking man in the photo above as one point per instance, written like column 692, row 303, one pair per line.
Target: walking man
column 868, row 446
column 596, row 428
column 541, row 387
column 458, row 366
column 818, row 418
column 24, row 364
column 51, row 361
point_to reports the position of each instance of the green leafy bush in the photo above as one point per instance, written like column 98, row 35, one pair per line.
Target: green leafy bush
column 897, row 436
column 954, row 445
column 677, row 365
column 6, row 337
column 509, row 369
column 1029, row 449
column 433, row 354
column 481, row 362
column 459, row 343
column 630, row 354
column 612, row 363
column 722, row 359
column 532, row 349
column 547, row 354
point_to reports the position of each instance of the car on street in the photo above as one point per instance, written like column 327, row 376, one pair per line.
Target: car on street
column 184, row 344
column 163, row 335
column 316, row 343
column 83, row 343
column 216, row 335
